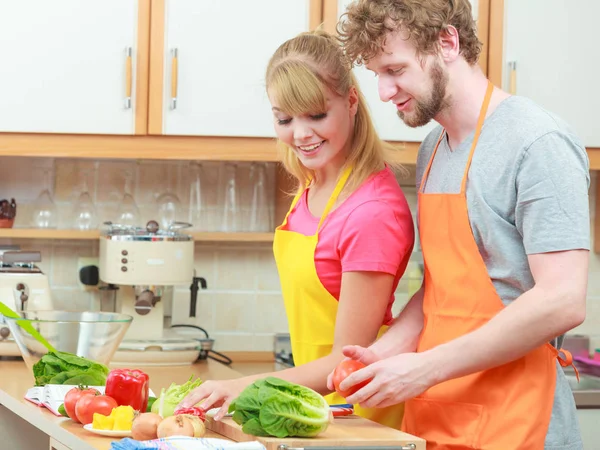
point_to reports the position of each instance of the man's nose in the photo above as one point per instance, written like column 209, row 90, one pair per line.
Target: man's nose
column 387, row 89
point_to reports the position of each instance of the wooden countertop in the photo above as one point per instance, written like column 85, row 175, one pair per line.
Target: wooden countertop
column 16, row 378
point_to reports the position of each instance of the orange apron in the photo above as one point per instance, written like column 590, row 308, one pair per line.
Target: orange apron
column 311, row 310
column 498, row 409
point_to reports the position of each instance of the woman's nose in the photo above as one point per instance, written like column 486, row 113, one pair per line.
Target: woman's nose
column 302, row 132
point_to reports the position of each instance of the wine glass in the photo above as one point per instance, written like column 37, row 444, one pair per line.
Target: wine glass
column 84, row 211
column 230, row 220
column 260, row 213
column 168, row 204
column 44, row 213
column 197, row 206
column 128, row 213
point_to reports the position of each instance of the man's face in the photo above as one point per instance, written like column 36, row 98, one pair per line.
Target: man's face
column 417, row 87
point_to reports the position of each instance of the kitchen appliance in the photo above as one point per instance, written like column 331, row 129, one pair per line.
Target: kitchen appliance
column 142, row 265
column 23, row 286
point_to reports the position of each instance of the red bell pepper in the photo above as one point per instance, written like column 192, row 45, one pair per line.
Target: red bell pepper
column 192, row 411
column 129, row 387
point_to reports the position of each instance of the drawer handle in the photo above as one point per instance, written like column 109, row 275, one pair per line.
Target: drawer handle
column 174, row 74
column 128, row 77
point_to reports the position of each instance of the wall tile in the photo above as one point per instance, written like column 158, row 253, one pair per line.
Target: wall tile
column 235, row 312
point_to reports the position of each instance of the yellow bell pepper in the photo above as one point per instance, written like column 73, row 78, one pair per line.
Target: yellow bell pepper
column 123, row 417
column 102, row 422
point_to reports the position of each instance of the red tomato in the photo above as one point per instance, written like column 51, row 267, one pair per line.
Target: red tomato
column 344, row 369
column 73, row 396
column 88, row 404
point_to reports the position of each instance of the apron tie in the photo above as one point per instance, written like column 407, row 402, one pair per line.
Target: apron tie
column 567, row 361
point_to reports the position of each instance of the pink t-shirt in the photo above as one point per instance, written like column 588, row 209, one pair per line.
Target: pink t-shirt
column 371, row 231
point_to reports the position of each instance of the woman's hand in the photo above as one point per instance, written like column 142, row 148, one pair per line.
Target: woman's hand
column 358, row 353
column 215, row 393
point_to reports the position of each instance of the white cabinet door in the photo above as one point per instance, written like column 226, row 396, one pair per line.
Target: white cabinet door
column 557, row 59
column 64, row 66
column 388, row 124
column 223, row 48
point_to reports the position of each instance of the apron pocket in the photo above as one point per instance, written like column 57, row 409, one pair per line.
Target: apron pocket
column 443, row 424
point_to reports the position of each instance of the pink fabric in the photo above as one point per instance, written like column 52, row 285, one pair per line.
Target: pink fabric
column 371, row 231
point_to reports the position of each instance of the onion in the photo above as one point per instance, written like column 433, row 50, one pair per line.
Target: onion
column 175, row 426
column 197, row 423
column 145, row 426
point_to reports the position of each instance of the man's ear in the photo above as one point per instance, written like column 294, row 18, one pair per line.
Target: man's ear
column 353, row 100
column 449, row 44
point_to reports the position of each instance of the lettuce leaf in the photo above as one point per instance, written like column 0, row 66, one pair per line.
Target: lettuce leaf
column 67, row 368
column 275, row 407
column 173, row 395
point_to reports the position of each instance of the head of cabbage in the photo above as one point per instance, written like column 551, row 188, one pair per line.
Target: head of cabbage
column 275, row 407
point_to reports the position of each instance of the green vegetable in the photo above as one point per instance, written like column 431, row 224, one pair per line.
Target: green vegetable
column 66, row 368
column 62, row 411
column 275, row 407
column 151, row 401
column 173, row 395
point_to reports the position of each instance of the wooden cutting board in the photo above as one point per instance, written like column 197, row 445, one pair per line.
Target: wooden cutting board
column 343, row 432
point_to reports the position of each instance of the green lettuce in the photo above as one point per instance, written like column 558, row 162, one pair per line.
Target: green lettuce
column 275, row 407
column 172, row 396
column 67, row 368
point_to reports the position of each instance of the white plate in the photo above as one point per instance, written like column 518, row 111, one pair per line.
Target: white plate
column 110, row 433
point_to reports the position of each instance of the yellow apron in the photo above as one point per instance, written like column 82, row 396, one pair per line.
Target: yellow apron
column 311, row 309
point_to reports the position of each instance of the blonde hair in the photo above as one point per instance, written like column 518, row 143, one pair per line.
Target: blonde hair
column 298, row 75
column 365, row 25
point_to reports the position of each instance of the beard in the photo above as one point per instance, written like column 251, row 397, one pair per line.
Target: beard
column 426, row 110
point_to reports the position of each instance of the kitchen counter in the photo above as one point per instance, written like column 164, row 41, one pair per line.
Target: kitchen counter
column 24, row 426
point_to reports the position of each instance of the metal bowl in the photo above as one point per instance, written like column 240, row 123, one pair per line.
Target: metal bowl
column 92, row 335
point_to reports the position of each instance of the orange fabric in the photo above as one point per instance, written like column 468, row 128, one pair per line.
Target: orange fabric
column 498, row 409
column 311, row 310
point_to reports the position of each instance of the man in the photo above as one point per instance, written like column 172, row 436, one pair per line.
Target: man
column 504, row 226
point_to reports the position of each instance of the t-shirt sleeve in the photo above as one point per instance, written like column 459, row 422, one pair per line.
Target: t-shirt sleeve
column 373, row 239
column 552, row 211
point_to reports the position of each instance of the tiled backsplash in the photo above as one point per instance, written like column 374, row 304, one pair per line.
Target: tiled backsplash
column 242, row 307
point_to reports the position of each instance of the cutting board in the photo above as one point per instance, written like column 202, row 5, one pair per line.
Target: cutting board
column 353, row 431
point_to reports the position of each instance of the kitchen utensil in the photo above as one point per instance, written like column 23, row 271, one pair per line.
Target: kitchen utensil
column 84, row 210
column 343, row 433
column 92, row 335
column 128, row 213
column 9, row 313
column 260, row 213
column 168, row 203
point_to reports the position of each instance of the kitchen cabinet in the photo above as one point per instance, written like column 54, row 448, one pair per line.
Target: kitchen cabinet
column 555, row 66
column 588, row 423
column 72, row 66
column 387, row 123
column 209, row 63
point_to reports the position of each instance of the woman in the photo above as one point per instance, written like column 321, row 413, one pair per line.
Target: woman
column 348, row 236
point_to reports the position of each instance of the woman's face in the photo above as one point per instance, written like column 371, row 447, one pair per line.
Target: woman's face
column 320, row 138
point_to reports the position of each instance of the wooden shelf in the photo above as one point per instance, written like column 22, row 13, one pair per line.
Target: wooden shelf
column 33, row 233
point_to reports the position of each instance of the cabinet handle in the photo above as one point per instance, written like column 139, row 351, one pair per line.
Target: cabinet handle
column 174, row 67
column 512, row 86
column 128, row 77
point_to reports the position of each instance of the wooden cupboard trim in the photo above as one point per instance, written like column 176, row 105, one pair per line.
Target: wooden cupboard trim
column 315, row 13
column 596, row 228
column 88, row 235
column 156, row 75
column 209, row 148
column 495, row 44
column 142, row 67
column 483, row 31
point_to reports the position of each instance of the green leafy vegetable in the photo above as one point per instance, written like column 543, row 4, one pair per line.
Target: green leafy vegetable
column 67, row 368
column 173, row 395
column 151, row 401
column 275, row 407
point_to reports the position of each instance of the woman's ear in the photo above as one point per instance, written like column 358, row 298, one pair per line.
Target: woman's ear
column 353, row 100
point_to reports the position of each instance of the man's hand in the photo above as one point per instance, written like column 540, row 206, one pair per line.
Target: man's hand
column 394, row 380
column 358, row 353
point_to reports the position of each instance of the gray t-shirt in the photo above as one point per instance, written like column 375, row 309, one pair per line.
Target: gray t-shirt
column 527, row 192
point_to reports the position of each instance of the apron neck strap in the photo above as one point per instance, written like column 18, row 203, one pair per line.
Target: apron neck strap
column 482, row 114
column 335, row 194
column 480, row 120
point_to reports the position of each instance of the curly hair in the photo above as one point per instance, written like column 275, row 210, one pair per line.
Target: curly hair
column 365, row 25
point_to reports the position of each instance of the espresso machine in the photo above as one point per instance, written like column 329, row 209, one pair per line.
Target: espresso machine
column 141, row 265
column 23, row 286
